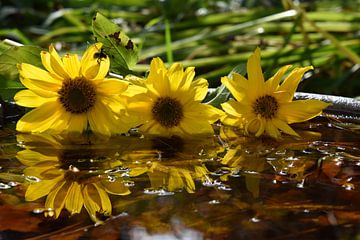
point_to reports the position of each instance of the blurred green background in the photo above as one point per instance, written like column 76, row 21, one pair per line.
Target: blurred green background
column 214, row 36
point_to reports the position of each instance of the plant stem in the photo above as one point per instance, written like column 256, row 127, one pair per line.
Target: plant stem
column 169, row 53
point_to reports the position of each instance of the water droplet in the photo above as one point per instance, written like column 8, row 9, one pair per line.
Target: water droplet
column 213, row 202
column 117, row 170
column 32, row 179
column 301, row 184
column 13, row 184
column 224, row 187
column 4, row 186
column 129, row 183
column 219, row 172
column 159, row 192
column 48, row 212
column 348, row 186
column 210, row 183
column 255, row 220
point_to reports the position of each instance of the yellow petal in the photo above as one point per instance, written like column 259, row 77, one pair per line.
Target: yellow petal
column 190, row 185
column 72, row 65
column 273, row 83
column 175, row 181
column 56, row 64
column 112, row 86
column 192, row 126
column 92, row 202
column 40, row 189
column 116, row 187
column 28, row 98
column 157, row 69
column 301, row 110
column 271, row 130
column 200, row 87
column 40, row 119
column 105, row 201
column 31, row 158
column 255, row 75
column 103, row 69
column 284, row 127
column 74, row 199
column 291, row 83
column 41, row 88
column 203, row 111
column 91, row 67
column 261, row 128
column 37, row 74
column 56, row 198
column 97, row 121
column 232, row 121
column 77, row 123
column 237, row 86
column 235, row 108
column 175, row 75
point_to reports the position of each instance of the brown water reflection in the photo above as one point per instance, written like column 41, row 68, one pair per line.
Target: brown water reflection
column 222, row 187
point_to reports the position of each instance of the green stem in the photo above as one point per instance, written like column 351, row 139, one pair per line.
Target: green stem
column 169, row 53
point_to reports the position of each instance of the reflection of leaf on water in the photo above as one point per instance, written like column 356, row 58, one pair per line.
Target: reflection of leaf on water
column 70, row 178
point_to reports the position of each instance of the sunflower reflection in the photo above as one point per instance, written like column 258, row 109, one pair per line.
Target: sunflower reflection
column 70, row 178
column 173, row 164
column 286, row 160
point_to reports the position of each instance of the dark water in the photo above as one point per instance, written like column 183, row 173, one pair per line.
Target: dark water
column 224, row 187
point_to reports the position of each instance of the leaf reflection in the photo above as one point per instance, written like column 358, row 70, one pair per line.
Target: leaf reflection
column 69, row 177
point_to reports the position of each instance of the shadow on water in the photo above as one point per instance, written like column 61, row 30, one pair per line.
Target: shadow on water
column 226, row 186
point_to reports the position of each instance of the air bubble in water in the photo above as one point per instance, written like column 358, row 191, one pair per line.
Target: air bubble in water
column 159, row 192
column 4, row 186
column 213, row 202
column 32, row 179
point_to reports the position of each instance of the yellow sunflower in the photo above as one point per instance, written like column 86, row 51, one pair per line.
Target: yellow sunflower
column 69, row 178
column 71, row 95
column 266, row 106
column 171, row 104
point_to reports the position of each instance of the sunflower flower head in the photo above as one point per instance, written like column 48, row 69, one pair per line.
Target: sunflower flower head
column 266, row 106
column 71, row 95
column 171, row 102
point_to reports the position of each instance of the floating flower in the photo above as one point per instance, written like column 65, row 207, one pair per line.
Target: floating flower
column 70, row 178
column 172, row 104
column 71, row 95
column 267, row 106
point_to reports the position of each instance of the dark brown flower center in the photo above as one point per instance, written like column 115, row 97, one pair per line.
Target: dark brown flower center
column 167, row 111
column 266, row 106
column 77, row 95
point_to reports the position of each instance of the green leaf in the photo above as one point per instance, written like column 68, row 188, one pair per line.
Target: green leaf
column 117, row 45
column 9, row 79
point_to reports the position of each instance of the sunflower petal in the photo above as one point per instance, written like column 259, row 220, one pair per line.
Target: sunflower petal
column 195, row 92
column 273, row 83
column 28, row 98
column 283, row 126
column 271, row 130
column 255, row 75
column 56, row 64
column 72, row 65
column 116, row 187
column 112, row 86
column 39, row 119
column 237, row 86
column 74, row 199
column 291, row 83
column 301, row 110
column 40, row 189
